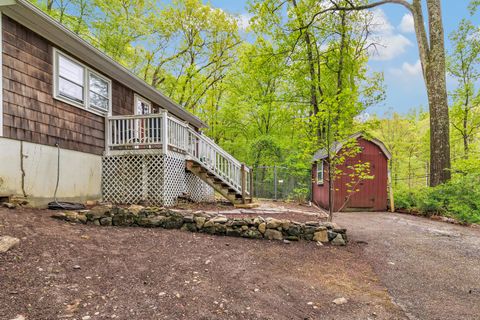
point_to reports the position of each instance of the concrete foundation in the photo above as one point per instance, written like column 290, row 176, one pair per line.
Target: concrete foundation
column 30, row 170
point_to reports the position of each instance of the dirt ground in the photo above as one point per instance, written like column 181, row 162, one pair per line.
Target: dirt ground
column 431, row 268
column 68, row 271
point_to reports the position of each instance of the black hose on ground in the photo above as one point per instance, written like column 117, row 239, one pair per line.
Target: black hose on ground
column 55, row 205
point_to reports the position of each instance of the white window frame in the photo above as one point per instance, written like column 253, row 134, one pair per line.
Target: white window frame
column 86, row 85
column 320, row 170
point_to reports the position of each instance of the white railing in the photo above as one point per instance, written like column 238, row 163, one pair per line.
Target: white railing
column 148, row 132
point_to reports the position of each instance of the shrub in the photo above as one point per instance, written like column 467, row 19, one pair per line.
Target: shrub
column 458, row 198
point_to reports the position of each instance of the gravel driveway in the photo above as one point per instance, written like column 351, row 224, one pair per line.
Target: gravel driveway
column 431, row 269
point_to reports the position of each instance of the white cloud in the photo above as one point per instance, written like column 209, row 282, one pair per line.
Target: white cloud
column 388, row 44
column 408, row 71
column 407, row 24
column 244, row 20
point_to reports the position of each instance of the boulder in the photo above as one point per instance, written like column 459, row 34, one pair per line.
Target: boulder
column 273, row 223
column 135, row 209
column 98, row 212
column 188, row 218
column 321, row 236
column 294, row 230
column 258, row 220
column 7, row 243
column 172, row 222
column 9, row 205
column 233, row 232
column 106, row 221
column 331, row 235
column 189, row 226
column 199, row 221
column 272, row 234
column 262, row 227
column 252, row 234
column 219, row 219
column 338, row 241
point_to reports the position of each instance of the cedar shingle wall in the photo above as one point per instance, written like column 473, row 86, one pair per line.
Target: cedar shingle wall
column 30, row 111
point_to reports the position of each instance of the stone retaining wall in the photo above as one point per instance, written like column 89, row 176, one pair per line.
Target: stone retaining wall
column 254, row 228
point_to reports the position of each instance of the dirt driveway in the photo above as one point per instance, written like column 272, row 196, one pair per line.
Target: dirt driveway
column 65, row 271
column 432, row 269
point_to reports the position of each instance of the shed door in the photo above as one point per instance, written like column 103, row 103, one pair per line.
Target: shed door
column 365, row 197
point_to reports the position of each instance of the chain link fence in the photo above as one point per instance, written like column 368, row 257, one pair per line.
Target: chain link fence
column 281, row 183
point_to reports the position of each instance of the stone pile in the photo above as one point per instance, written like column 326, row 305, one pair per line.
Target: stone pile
column 214, row 224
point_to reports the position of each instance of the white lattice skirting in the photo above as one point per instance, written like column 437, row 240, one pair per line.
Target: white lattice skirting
column 150, row 179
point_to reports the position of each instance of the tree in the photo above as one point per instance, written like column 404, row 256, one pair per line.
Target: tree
column 463, row 65
column 432, row 57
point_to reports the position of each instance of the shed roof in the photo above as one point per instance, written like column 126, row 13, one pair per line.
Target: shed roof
column 38, row 21
column 337, row 146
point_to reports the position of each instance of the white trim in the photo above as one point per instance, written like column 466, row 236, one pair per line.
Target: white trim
column 320, row 168
column 1, row 76
column 138, row 98
column 86, row 85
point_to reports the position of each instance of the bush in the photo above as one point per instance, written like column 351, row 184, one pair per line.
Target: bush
column 458, row 198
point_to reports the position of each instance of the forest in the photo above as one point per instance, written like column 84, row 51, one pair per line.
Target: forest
column 292, row 77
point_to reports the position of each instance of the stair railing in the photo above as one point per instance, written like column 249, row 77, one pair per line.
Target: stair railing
column 148, row 131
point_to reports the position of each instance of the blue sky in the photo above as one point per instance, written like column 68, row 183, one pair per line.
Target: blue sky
column 398, row 60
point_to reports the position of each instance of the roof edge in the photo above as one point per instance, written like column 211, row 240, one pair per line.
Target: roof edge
column 40, row 22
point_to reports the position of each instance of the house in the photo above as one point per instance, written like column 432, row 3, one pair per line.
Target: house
column 368, row 194
column 71, row 113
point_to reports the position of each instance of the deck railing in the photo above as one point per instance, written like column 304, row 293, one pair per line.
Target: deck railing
column 139, row 132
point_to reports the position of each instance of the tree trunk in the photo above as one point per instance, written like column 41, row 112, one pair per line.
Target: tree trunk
column 435, row 81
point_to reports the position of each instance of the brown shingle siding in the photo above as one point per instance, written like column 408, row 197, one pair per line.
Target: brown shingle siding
column 30, row 111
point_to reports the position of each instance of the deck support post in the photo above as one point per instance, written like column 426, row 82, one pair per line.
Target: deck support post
column 164, row 131
column 251, row 184
column 243, row 180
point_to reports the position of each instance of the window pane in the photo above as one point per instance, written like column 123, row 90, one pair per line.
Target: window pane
column 98, row 101
column 70, row 90
column 70, row 70
column 98, row 85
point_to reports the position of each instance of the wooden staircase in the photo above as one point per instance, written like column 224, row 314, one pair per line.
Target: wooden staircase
column 238, row 194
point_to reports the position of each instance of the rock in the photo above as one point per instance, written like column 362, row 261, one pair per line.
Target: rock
column 189, row 226
column 294, row 230
column 292, row 238
column 321, row 236
column 338, row 241
column 106, row 221
column 9, row 205
column 91, row 203
column 77, row 267
column 272, row 234
column 208, row 224
column 340, row 230
column 135, row 209
column 262, row 227
column 7, row 243
column 312, row 223
column 258, row 220
column 340, row 301
column 199, row 221
column 123, row 219
column 233, row 232
column 286, row 224
column 19, row 317
column 219, row 219
column 286, row 241
column 151, row 222
column 252, row 234
column 331, row 235
column 82, row 218
column 188, row 218
column 273, row 223
column 98, row 212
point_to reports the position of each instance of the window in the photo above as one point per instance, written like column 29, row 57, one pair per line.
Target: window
column 79, row 85
column 142, row 106
column 320, row 172
column 70, row 79
column 99, row 92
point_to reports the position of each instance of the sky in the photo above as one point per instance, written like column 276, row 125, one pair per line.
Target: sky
column 398, row 57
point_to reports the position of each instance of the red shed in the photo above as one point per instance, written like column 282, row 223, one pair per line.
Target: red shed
column 372, row 194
